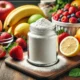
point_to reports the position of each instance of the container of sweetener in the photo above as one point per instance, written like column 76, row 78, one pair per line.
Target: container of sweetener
column 42, row 43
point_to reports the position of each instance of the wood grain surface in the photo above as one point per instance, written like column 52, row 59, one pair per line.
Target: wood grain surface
column 7, row 73
column 71, row 63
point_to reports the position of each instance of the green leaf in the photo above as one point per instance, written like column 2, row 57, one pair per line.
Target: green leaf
column 8, row 48
column 60, row 31
column 75, row 72
column 60, row 1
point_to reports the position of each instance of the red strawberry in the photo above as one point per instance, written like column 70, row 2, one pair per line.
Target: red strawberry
column 65, row 13
column 64, row 19
column 78, row 14
column 16, row 53
column 2, row 52
column 73, row 20
column 22, row 43
column 56, row 17
column 72, row 9
column 67, row 6
column 59, row 12
column 5, row 35
column 62, row 36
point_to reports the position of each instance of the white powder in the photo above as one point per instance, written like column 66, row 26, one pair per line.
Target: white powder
column 42, row 26
column 60, row 65
column 43, row 23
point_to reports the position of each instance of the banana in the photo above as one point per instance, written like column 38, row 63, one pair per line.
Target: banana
column 21, row 12
column 11, row 28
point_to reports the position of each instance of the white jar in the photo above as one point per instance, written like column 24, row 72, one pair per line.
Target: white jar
column 42, row 42
column 46, row 6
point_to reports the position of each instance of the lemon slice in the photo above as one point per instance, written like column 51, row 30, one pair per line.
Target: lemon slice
column 69, row 46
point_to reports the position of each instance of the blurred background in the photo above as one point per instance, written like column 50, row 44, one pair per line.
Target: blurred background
column 20, row 2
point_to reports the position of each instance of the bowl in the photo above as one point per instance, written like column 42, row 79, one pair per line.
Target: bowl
column 6, row 42
column 71, row 28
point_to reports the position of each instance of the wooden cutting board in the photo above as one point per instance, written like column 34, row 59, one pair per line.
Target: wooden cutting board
column 64, row 64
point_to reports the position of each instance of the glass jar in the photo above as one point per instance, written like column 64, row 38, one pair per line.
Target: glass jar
column 42, row 42
column 46, row 6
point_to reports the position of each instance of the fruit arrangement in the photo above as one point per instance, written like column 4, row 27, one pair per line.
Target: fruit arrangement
column 19, row 19
column 14, row 25
column 17, row 23
column 68, row 14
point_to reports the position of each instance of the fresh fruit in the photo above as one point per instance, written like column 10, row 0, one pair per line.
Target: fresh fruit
column 5, row 35
column 5, row 8
column 59, row 11
column 77, row 36
column 78, row 14
column 21, row 12
column 12, row 28
column 2, row 52
column 16, row 53
column 72, row 9
column 69, row 46
column 67, row 6
column 78, row 20
column 22, row 43
column 0, row 25
column 78, row 8
column 21, row 30
column 62, row 36
column 56, row 17
column 73, row 15
column 73, row 20
column 65, row 13
column 34, row 18
column 69, row 14
column 75, row 3
column 64, row 19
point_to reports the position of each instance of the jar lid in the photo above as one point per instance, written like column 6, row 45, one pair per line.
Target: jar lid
column 42, row 27
column 47, row 1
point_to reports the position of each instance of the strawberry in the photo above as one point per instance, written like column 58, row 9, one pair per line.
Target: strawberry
column 16, row 52
column 73, row 20
column 72, row 9
column 22, row 43
column 64, row 19
column 2, row 52
column 56, row 17
column 62, row 36
column 67, row 6
column 5, row 35
column 78, row 14
column 59, row 12
column 65, row 13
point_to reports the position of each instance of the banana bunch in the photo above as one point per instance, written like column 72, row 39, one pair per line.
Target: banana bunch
column 20, row 15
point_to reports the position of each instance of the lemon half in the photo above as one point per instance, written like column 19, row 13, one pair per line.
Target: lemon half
column 69, row 46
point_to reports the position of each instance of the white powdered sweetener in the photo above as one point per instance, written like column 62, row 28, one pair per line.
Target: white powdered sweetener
column 42, row 43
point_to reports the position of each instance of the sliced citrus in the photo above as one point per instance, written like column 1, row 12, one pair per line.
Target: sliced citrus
column 69, row 46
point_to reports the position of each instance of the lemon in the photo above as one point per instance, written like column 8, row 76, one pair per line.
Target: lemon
column 75, row 3
column 21, row 30
column 69, row 46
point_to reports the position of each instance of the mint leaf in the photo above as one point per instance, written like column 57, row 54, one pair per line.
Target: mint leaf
column 75, row 72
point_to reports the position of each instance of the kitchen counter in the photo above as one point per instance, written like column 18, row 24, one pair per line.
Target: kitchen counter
column 7, row 73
